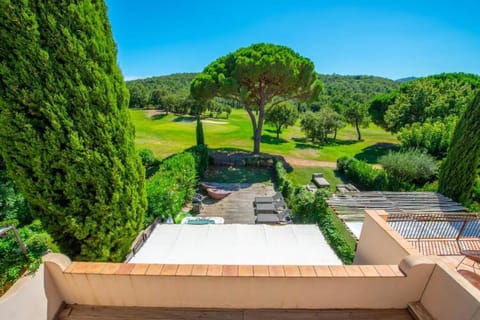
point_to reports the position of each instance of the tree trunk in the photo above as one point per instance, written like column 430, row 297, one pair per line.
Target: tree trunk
column 358, row 130
column 256, row 135
column 279, row 129
column 335, row 134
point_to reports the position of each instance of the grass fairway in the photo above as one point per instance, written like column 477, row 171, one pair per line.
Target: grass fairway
column 168, row 134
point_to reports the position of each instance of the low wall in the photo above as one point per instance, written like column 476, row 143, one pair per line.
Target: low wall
column 379, row 243
column 31, row 297
column 449, row 295
column 241, row 287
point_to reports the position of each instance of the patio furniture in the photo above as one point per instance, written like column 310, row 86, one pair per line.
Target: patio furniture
column 217, row 194
column 263, row 199
column 320, row 181
column 264, row 208
column 267, row 218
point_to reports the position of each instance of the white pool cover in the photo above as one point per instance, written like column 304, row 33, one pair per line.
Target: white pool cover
column 237, row 244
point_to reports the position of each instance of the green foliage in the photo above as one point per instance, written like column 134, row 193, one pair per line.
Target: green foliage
column 362, row 174
column 199, row 133
column 12, row 203
column 431, row 137
column 379, row 106
column 435, row 98
column 284, row 185
column 12, row 260
column 309, row 208
column 334, row 229
column 65, row 129
column 459, row 171
column 148, row 158
column 356, row 114
column 202, row 158
column 410, row 166
column 281, row 116
column 139, row 96
column 318, row 125
column 344, row 91
column 258, row 77
column 173, row 185
column 172, row 94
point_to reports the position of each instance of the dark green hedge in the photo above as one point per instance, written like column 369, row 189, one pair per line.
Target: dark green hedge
column 174, row 183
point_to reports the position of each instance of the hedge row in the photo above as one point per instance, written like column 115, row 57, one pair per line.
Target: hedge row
column 309, row 208
column 369, row 179
column 174, row 183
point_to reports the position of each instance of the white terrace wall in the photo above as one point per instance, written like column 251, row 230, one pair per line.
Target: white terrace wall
column 379, row 243
column 449, row 295
column 32, row 297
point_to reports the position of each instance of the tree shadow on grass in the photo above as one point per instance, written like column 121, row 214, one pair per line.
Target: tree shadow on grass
column 341, row 142
column 372, row 153
column 272, row 140
column 303, row 143
column 158, row 116
column 185, row 119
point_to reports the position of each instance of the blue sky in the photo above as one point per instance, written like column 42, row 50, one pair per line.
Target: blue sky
column 394, row 39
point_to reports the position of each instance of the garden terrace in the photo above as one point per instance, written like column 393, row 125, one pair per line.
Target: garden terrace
column 238, row 206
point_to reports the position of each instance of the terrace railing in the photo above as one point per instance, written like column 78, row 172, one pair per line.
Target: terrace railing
column 438, row 233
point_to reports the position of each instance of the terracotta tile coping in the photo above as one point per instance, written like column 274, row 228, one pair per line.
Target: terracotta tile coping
column 256, row 271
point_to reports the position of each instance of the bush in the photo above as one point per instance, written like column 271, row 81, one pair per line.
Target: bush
column 202, row 159
column 333, row 229
column 199, row 133
column 362, row 174
column 12, row 260
column 431, row 137
column 309, row 208
column 173, row 185
column 368, row 178
column 148, row 158
column 410, row 166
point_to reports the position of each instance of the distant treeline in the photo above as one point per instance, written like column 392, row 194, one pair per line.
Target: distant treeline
column 172, row 93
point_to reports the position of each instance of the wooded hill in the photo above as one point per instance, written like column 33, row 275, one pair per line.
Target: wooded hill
column 338, row 91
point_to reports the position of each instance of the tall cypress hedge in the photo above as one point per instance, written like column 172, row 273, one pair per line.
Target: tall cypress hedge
column 65, row 131
column 459, row 171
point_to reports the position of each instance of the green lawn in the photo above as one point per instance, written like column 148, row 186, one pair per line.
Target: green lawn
column 169, row 134
column 303, row 176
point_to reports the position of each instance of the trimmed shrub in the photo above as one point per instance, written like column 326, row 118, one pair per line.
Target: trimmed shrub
column 199, row 133
column 362, row 174
column 410, row 166
column 148, row 158
column 368, row 178
column 309, row 208
column 172, row 186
